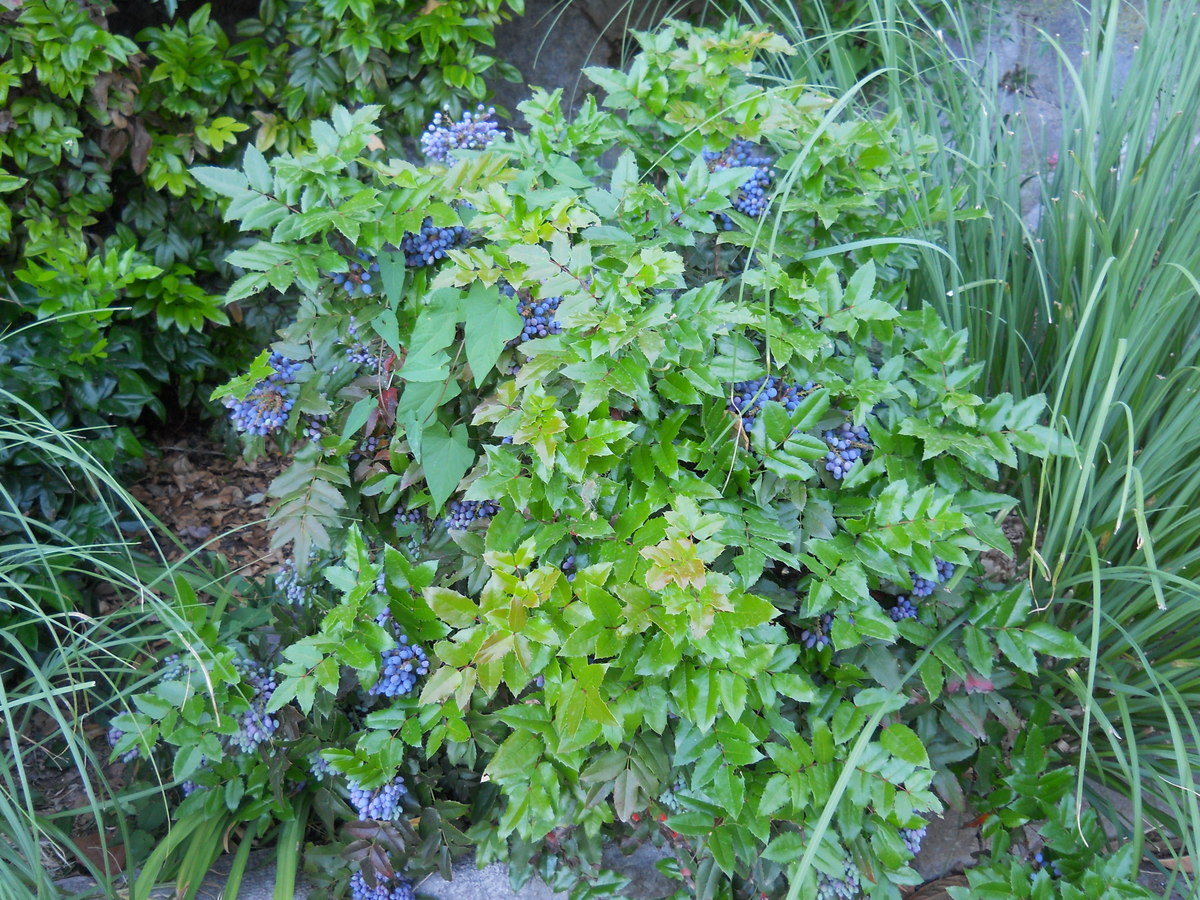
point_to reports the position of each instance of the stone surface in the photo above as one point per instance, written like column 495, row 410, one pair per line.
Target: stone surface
column 555, row 40
column 950, row 845
column 488, row 883
column 638, row 864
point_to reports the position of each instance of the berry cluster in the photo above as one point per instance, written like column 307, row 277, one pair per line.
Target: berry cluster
column 360, row 353
column 265, row 409
column 1040, row 863
column 357, row 277
column 314, row 425
column 568, row 566
column 844, row 888
column 751, row 198
column 318, row 766
column 114, row 736
column 367, row 448
column 381, row 804
column 904, row 609
column 750, row 396
column 816, row 636
column 257, row 724
column 670, row 797
column 287, row 580
column 174, row 668
column 461, row 513
column 912, row 838
column 846, row 447
column 394, row 888
column 431, row 243
column 474, row 131
column 538, row 316
column 406, row 516
column 923, row 587
column 402, row 665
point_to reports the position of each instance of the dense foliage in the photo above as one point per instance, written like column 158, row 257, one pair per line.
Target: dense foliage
column 621, row 508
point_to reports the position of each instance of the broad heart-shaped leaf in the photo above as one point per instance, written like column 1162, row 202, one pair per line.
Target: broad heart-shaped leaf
column 446, row 457
column 392, row 272
column 491, row 321
column 434, row 331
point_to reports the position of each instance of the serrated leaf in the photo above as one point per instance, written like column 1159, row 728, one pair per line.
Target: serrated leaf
column 451, row 607
column 902, row 742
column 226, row 182
column 1043, row 637
column 1011, row 644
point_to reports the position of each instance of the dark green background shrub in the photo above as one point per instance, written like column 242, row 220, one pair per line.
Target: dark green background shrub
column 108, row 241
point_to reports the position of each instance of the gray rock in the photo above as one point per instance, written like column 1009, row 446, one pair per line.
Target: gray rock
column 554, row 41
column 950, row 845
column 488, row 883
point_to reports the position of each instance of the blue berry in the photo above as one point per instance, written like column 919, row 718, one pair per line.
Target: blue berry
column 318, row 766
column 382, row 803
column 751, row 198
column 472, row 132
column 405, row 516
column 357, row 277
column 749, row 397
column 904, row 609
column 846, row 447
column 431, row 243
column 402, row 665
column 538, row 317
column 287, row 579
column 1040, row 862
column 264, row 410
column 366, row 448
column 923, row 587
column 816, row 635
column 670, row 797
column 844, row 888
column 256, row 725
column 461, row 513
column 174, row 668
column 912, row 838
column 945, row 570
column 314, row 425
column 394, row 888
column 114, row 736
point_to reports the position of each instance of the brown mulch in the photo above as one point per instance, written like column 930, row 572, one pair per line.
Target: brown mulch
column 212, row 502
column 936, row 890
column 208, row 501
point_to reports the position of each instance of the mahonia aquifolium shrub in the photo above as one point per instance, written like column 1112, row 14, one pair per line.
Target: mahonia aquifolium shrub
column 651, row 554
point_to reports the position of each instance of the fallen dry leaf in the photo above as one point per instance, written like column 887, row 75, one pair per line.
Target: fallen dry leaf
column 1183, row 864
column 94, row 850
